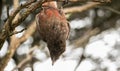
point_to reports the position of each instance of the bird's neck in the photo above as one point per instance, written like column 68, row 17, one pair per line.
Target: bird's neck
column 51, row 3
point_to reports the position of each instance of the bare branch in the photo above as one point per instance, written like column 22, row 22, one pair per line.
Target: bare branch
column 81, row 8
column 28, row 58
column 84, row 39
column 84, row 0
column 1, row 6
column 6, row 29
column 7, row 11
column 82, row 57
column 110, row 8
column 16, row 42
column 16, row 32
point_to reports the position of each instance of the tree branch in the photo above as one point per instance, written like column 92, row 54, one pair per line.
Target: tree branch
column 84, row 0
column 5, row 32
column 81, row 8
column 84, row 39
column 25, row 60
column 16, row 42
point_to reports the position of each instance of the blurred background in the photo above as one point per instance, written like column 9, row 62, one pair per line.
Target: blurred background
column 93, row 45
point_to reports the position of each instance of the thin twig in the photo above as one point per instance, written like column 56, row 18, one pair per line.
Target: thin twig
column 111, row 9
column 7, row 11
column 81, row 8
column 14, row 13
column 104, row 1
column 8, row 17
column 80, row 60
column 16, row 32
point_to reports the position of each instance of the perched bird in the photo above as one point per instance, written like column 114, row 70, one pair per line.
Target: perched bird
column 53, row 28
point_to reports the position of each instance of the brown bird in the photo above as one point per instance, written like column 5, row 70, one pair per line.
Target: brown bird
column 53, row 28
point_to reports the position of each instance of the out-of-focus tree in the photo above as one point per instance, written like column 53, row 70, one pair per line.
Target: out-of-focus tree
column 18, row 28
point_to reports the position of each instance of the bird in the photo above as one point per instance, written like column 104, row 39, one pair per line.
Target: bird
column 53, row 29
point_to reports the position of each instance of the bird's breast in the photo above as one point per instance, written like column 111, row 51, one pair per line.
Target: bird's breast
column 52, row 25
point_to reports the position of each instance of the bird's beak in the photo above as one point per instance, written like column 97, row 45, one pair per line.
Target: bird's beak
column 53, row 60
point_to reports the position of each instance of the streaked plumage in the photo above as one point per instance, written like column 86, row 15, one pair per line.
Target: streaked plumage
column 53, row 29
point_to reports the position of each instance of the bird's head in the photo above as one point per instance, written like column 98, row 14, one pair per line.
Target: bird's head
column 56, row 50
